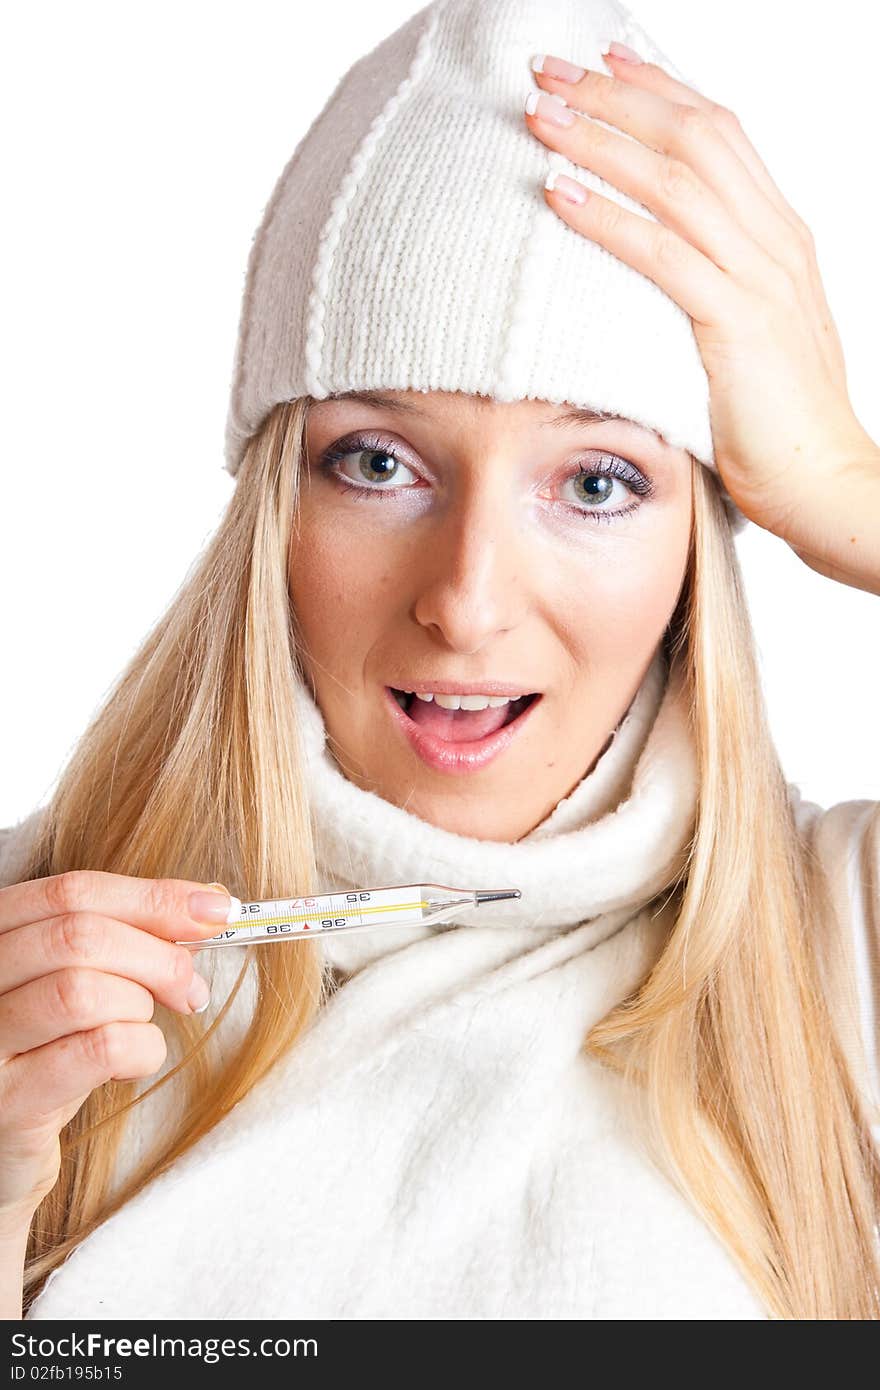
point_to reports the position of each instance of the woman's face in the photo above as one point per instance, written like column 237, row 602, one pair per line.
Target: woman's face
column 470, row 549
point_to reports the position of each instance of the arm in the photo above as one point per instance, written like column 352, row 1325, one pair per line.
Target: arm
column 846, row 546
column 14, row 1230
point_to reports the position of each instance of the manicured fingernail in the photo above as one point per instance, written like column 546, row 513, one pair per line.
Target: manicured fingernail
column 557, row 67
column 550, row 107
column 622, row 51
column 199, row 994
column 210, row 907
column 570, row 189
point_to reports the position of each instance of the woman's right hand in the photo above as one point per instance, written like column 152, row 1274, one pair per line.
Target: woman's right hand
column 84, row 955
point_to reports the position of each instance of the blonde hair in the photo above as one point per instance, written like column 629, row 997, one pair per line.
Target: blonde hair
column 191, row 769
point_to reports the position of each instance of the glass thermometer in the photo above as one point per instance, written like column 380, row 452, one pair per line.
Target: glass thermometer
column 284, row 919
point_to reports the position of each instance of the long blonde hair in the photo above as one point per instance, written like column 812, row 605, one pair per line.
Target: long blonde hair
column 191, row 769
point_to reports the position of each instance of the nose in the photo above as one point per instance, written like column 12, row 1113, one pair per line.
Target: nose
column 474, row 583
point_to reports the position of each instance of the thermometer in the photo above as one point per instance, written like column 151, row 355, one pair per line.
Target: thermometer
column 284, row 919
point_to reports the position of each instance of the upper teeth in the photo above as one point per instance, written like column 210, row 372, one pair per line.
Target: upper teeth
column 465, row 701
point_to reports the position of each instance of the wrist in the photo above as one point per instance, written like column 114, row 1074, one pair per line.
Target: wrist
column 15, row 1224
column 835, row 529
column 14, row 1231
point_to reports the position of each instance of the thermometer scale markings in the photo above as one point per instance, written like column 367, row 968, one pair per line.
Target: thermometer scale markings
column 352, row 911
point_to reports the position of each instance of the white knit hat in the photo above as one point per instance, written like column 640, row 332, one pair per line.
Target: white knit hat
column 407, row 244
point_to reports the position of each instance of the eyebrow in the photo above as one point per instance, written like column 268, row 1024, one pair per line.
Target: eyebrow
column 573, row 415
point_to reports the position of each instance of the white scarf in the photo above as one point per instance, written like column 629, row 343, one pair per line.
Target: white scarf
column 438, row 1144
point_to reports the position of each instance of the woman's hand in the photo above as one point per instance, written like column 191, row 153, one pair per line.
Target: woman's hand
column 732, row 253
column 83, row 957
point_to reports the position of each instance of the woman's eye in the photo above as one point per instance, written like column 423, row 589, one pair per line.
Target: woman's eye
column 595, row 487
column 372, row 471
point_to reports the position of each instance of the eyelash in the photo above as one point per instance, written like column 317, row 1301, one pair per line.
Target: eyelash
column 356, row 444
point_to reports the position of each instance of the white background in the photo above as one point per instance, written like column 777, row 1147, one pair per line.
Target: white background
column 141, row 144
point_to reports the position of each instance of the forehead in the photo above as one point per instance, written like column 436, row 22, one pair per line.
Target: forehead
column 427, row 405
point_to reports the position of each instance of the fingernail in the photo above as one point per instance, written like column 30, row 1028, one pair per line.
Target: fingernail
column 210, row 907
column 557, row 67
column 199, row 994
column 551, row 107
column 623, row 51
column 570, row 189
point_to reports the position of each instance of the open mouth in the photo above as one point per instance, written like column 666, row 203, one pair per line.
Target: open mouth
column 461, row 725
column 463, row 740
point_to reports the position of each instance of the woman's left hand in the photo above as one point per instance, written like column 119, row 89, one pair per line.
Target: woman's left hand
column 733, row 254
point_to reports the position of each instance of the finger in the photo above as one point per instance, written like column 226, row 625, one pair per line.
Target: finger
column 47, row 1078
column 68, row 1001
column 688, row 134
column 662, row 255
column 668, row 187
column 650, row 77
column 802, row 266
column 102, row 943
column 158, row 905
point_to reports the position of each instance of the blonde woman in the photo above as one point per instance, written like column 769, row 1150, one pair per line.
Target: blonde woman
column 492, row 435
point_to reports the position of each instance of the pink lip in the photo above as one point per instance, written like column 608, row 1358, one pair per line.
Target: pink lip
column 457, row 757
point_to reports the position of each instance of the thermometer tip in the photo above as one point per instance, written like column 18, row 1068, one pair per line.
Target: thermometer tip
column 499, row 896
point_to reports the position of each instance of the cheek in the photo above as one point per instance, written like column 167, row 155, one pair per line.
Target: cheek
column 617, row 605
column 336, row 583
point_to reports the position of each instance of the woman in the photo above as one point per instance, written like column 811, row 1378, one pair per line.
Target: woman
column 640, row 1090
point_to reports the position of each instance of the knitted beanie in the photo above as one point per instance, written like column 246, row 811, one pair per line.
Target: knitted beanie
column 407, row 244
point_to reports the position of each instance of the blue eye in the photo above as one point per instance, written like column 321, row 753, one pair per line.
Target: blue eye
column 597, row 482
column 374, row 461
column 377, row 462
